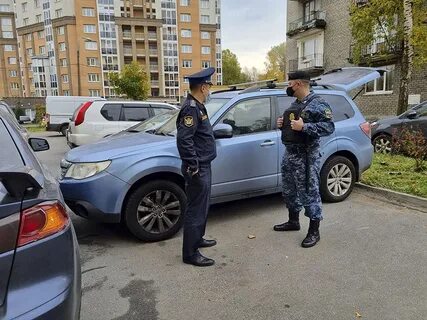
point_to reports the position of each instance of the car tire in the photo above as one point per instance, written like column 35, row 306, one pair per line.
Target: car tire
column 64, row 130
column 162, row 204
column 382, row 143
column 337, row 179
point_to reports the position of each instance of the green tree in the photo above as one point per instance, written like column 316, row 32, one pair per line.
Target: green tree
column 275, row 65
column 402, row 24
column 132, row 81
column 231, row 69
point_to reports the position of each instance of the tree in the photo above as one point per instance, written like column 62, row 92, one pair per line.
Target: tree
column 401, row 24
column 275, row 66
column 251, row 75
column 231, row 69
column 132, row 81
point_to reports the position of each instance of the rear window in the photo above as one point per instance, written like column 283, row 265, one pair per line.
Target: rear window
column 159, row 110
column 12, row 157
column 135, row 113
column 341, row 108
column 111, row 112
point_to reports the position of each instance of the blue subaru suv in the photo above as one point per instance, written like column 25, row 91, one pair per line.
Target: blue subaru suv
column 136, row 178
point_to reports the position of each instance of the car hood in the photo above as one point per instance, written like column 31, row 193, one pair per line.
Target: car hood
column 118, row 146
column 388, row 120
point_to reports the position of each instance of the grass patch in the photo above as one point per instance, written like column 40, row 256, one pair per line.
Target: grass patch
column 396, row 173
column 34, row 128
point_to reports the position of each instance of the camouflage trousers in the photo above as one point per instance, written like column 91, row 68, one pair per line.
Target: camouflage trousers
column 301, row 186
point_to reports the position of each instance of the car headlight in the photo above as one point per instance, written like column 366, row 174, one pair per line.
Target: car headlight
column 80, row 171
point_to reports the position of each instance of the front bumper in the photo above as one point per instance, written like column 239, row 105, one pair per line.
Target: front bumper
column 99, row 197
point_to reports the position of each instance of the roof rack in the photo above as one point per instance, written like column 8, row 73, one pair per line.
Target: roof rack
column 251, row 84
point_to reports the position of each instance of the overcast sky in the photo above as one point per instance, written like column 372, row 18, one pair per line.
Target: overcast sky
column 251, row 27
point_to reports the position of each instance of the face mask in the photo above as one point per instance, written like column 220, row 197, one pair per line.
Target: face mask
column 290, row 91
column 208, row 97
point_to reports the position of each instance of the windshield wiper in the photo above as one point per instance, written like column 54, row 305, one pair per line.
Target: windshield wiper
column 152, row 131
column 133, row 130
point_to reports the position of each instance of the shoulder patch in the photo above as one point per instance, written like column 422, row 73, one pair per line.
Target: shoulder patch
column 328, row 113
column 193, row 103
column 188, row 121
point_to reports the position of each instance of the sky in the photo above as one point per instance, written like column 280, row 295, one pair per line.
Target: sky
column 251, row 27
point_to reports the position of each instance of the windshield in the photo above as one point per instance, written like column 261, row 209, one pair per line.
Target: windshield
column 154, row 122
column 169, row 128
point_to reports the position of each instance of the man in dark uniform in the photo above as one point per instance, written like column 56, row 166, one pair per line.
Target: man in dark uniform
column 308, row 118
column 196, row 146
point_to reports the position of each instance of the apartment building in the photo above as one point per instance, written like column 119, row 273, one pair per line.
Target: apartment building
column 68, row 47
column 319, row 39
column 10, row 83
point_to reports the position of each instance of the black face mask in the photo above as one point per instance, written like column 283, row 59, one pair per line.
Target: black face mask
column 290, row 91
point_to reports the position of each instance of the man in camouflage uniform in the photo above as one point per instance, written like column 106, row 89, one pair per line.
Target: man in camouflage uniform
column 308, row 118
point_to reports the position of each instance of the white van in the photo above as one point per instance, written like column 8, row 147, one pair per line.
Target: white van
column 59, row 110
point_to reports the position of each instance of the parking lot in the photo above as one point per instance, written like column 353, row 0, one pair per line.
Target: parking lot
column 370, row 262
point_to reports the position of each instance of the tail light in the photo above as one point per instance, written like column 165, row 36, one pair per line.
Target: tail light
column 41, row 221
column 81, row 113
column 366, row 128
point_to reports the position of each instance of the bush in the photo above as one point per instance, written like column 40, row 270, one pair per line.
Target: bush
column 412, row 143
column 40, row 113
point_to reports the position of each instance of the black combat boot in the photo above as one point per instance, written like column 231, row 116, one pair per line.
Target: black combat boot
column 313, row 235
column 291, row 225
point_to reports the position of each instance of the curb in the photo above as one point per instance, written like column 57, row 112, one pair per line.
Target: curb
column 395, row 197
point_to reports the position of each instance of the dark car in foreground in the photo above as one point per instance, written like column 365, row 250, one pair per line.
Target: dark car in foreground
column 384, row 130
column 40, row 274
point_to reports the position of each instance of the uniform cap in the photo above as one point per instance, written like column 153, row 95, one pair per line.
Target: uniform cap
column 299, row 75
column 201, row 77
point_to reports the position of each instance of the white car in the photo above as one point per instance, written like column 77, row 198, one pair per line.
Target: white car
column 94, row 120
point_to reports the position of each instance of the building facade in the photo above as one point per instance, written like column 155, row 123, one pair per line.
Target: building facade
column 319, row 39
column 68, row 47
column 10, row 83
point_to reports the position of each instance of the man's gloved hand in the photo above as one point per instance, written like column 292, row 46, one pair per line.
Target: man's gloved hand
column 279, row 122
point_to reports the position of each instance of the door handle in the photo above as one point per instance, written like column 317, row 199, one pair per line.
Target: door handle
column 267, row 143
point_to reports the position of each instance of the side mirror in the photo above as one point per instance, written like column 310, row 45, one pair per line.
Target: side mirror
column 38, row 144
column 223, row 131
column 411, row 114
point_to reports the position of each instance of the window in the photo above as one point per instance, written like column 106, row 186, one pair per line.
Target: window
column 185, row 33
column 383, row 84
column 13, row 73
column 6, row 27
column 11, row 60
column 89, row 28
column 135, row 113
column 8, row 47
column 24, row 7
column 204, row 4
column 88, row 12
column 65, row 78
column 341, row 108
column 91, row 45
column 61, row 30
column 205, row 35
column 250, row 116
column 185, row 3
column 37, row 3
column 206, row 64
column 187, row 63
column 28, row 37
column 4, row 8
column 94, row 93
column 186, row 48
column 14, row 85
column 42, row 50
column 93, row 77
column 92, row 62
column 26, row 20
column 206, row 50
column 63, row 62
column 30, row 52
column 185, row 17
column 65, row 92
column 40, row 34
column 58, row 13
column 39, row 18
column 111, row 112
column 62, row 46
column 204, row 19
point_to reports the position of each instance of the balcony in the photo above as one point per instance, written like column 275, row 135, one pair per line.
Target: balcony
column 377, row 54
column 127, row 35
column 152, row 36
column 311, row 63
column 140, row 52
column 316, row 19
column 155, row 83
column 127, row 51
column 154, row 52
column 154, row 67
